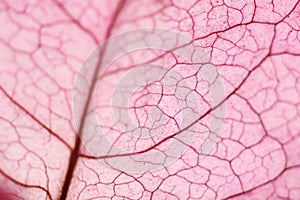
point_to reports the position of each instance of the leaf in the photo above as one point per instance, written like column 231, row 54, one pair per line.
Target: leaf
column 149, row 100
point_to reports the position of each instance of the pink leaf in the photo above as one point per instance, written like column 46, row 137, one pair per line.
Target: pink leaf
column 162, row 99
